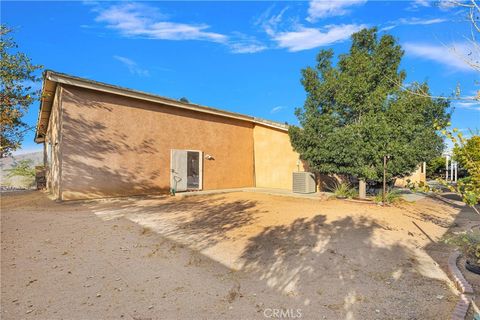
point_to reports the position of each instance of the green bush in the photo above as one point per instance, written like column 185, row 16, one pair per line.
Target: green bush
column 421, row 187
column 391, row 196
column 343, row 189
column 468, row 242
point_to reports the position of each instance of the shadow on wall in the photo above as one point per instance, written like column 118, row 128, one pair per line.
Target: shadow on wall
column 110, row 155
column 87, row 147
column 325, row 183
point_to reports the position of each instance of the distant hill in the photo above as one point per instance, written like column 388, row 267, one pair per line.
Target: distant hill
column 7, row 163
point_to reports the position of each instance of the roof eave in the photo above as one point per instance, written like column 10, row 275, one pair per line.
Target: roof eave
column 46, row 99
column 51, row 79
column 108, row 88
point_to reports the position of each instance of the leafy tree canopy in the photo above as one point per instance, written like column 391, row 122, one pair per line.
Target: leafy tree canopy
column 17, row 76
column 435, row 167
column 469, row 151
column 355, row 113
column 466, row 152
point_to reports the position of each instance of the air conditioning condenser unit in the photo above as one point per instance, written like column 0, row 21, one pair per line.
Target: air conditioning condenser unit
column 303, row 182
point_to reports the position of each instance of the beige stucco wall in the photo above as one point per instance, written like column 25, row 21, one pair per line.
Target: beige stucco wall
column 53, row 140
column 418, row 176
column 275, row 159
column 116, row 146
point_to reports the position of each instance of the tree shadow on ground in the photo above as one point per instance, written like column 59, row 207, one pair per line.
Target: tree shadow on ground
column 452, row 196
column 205, row 220
column 341, row 266
column 334, row 268
column 443, row 220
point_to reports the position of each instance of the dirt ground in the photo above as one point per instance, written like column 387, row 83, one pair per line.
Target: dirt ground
column 237, row 256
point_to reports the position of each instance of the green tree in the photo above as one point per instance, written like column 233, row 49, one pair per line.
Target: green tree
column 466, row 153
column 470, row 148
column 22, row 168
column 435, row 166
column 25, row 170
column 17, row 74
column 354, row 114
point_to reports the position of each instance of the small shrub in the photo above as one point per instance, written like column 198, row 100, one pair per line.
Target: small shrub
column 344, row 190
column 392, row 196
column 420, row 187
column 468, row 242
column 353, row 193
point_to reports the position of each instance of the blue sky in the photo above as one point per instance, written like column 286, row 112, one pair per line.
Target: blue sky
column 239, row 56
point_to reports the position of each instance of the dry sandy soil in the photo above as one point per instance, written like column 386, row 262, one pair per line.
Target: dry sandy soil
column 237, row 255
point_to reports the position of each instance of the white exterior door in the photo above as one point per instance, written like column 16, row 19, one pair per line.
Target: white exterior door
column 186, row 170
column 178, row 170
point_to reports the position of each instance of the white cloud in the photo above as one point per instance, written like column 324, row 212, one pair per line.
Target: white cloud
column 418, row 21
column 294, row 36
column 137, row 20
column 277, row 109
column 242, row 43
column 243, row 47
column 421, row 3
column 452, row 55
column 447, row 4
column 132, row 66
column 412, row 21
column 318, row 9
column 270, row 23
column 303, row 38
column 470, row 105
column 388, row 28
column 444, row 5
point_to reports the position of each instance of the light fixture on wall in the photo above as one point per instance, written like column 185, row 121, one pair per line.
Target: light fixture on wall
column 209, row 157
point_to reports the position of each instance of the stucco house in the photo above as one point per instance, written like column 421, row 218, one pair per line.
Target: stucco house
column 102, row 140
column 416, row 177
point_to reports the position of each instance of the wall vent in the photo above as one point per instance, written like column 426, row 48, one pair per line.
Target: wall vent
column 303, row 182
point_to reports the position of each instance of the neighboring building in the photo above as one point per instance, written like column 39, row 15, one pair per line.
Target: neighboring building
column 419, row 176
column 101, row 140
